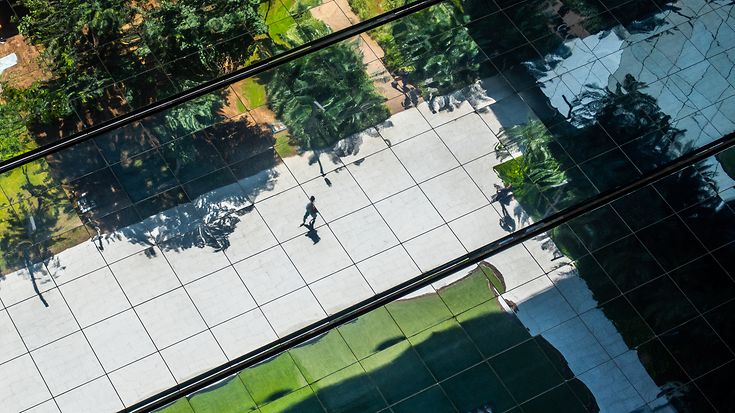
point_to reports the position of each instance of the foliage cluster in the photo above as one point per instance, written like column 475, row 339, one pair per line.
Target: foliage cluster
column 366, row 9
column 429, row 48
column 325, row 96
column 87, row 46
column 537, row 165
column 627, row 113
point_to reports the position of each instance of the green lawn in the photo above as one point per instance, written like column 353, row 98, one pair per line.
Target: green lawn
column 377, row 340
column 510, row 170
column 179, row 406
column 4, row 215
column 283, row 145
column 280, row 18
column 28, row 185
column 229, row 396
column 472, row 290
column 275, row 11
column 527, row 193
column 311, row 361
column 727, row 160
column 371, row 333
column 494, row 278
column 254, row 92
column 13, row 182
column 416, row 314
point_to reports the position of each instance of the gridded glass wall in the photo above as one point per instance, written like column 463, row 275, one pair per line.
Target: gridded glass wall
column 84, row 63
column 421, row 140
column 627, row 309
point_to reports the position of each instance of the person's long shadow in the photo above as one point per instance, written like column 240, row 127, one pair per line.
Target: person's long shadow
column 312, row 233
column 507, row 223
column 31, row 273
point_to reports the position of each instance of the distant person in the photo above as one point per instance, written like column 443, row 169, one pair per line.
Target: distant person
column 503, row 196
column 310, row 211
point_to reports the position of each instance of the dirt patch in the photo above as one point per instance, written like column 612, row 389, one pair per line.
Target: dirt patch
column 338, row 15
column 28, row 69
column 233, row 105
column 264, row 115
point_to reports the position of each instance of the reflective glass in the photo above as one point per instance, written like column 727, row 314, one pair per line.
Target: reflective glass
column 555, row 323
column 421, row 140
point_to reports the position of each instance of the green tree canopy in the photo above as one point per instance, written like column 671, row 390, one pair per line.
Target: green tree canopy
column 87, row 45
column 434, row 51
column 201, row 28
column 537, row 166
column 14, row 136
column 67, row 33
column 325, row 96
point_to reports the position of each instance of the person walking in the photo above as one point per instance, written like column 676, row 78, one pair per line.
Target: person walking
column 503, row 197
column 310, row 211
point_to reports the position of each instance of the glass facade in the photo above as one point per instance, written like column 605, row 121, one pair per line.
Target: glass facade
column 158, row 251
column 106, row 58
column 634, row 319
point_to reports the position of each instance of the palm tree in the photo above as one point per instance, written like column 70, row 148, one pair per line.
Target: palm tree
column 325, row 96
column 432, row 50
column 537, row 165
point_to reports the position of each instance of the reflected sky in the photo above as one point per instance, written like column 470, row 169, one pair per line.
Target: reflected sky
column 421, row 140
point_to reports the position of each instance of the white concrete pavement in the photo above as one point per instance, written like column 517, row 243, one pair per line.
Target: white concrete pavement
column 123, row 318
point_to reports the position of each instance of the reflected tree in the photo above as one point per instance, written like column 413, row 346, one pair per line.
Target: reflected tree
column 87, row 46
column 201, row 28
column 537, row 165
column 14, row 137
column 28, row 223
column 187, row 117
column 431, row 50
column 497, row 36
column 68, row 32
column 325, row 96
column 629, row 114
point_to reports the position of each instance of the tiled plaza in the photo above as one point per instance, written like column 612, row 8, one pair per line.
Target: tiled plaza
column 132, row 316
column 155, row 269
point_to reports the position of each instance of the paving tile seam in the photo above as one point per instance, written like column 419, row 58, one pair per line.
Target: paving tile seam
column 413, row 137
column 664, row 273
column 155, row 243
column 612, row 358
column 227, row 166
column 625, row 297
column 496, row 354
column 671, row 73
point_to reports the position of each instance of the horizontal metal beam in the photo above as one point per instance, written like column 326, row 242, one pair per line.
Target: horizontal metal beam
column 215, row 84
column 316, row 329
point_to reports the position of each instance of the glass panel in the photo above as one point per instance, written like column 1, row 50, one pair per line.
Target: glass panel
column 399, row 149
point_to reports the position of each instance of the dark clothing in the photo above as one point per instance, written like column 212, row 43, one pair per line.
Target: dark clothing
column 310, row 211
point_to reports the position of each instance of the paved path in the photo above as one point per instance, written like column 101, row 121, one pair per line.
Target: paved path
column 154, row 303
column 126, row 320
column 142, row 313
column 560, row 307
column 338, row 15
